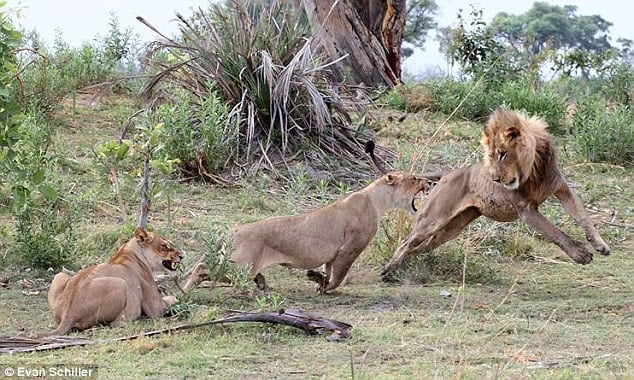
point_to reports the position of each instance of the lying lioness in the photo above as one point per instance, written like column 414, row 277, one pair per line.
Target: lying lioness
column 119, row 290
column 334, row 235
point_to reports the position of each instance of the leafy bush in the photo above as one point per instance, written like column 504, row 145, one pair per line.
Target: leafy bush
column 45, row 233
column 604, row 134
column 10, row 116
column 259, row 58
column 479, row 53
column 199, row 137
column 10, row 39
column 619, row 85
column 46, row 236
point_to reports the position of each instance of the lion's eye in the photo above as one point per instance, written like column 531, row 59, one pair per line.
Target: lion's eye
column 502, row 156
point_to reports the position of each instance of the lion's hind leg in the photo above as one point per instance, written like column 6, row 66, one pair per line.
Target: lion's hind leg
column 55, row 296
column 104, row 300
column 427, row 235
column 572, row 204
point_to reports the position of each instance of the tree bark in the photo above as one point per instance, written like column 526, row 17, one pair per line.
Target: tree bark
column 369, row 32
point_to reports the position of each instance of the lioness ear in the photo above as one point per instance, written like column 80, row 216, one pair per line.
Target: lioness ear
column 141, row 235
column 390, row 179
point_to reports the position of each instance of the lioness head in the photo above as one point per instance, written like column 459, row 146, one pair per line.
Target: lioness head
column 159, row 252
column 406, row 187
column 509, row 142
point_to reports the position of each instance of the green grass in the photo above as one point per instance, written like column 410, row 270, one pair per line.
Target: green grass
column 524, row 310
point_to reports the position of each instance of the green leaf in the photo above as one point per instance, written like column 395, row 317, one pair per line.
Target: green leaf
column 20, row 196
column 49, row 193
column 38, row 177
column 122, row 150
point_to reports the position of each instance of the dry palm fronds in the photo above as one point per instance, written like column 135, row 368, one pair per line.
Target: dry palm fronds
column 259, row 57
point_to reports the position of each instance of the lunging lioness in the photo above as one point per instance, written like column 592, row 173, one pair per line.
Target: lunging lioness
column 334, row 235
column 518, row 174
column 119, row 290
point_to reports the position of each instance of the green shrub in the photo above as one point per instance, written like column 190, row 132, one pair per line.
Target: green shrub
column 10, row 116
column 395, row 98
column 604, row 134
column 199, row 137
column 619, row 85
column 45, row 232
column 46, row 236
column 471, row 100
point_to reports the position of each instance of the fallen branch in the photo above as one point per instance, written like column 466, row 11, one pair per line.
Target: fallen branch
column 15, row 344
column 313, row 325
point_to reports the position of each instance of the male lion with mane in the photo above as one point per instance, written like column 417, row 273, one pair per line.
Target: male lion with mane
column 518, row 174
column 333, row 236
column 121, row 289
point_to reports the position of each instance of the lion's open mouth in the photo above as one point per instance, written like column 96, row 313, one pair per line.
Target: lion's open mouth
column 170, row 265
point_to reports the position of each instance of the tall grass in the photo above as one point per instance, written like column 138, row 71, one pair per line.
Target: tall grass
column 604, row 134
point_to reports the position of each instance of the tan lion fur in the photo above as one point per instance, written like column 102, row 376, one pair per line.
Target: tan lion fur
column 518, row 174
column 120, row 290
column 334, row 235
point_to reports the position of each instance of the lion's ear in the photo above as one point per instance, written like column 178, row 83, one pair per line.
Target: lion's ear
column 140, row 234
column 511, row 133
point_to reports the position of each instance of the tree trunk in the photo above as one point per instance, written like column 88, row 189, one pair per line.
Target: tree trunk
column 370, row 32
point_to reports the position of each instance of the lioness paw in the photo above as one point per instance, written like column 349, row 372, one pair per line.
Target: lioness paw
column 170, row 300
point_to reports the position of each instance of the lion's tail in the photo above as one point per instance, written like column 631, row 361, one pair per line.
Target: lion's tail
column 369, row 149
column 64, row 328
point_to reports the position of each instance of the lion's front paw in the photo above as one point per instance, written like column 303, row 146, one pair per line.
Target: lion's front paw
column 580, row 254
column 600, row 246
column 170, row 300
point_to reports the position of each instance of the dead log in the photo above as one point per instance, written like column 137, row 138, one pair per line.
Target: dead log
column 310, row 324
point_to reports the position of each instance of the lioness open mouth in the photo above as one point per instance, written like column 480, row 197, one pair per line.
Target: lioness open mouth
column 417, row 199
column 169, row 264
